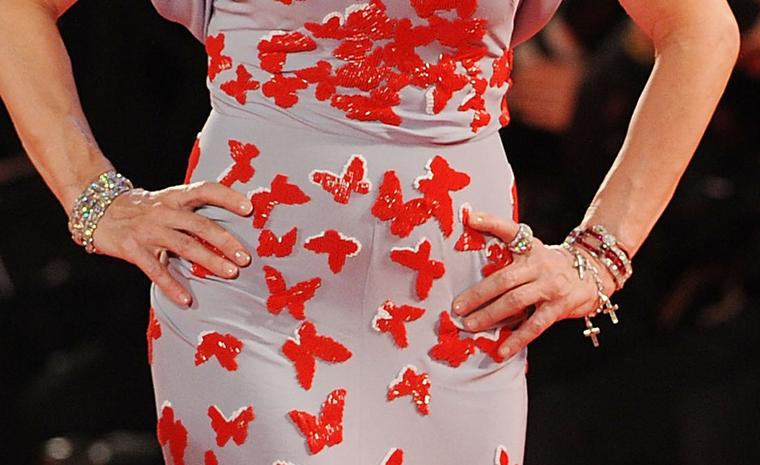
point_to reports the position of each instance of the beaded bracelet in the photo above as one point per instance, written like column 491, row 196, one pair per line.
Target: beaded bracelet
column 604, row 247
column 605, row 305
column 91, row 205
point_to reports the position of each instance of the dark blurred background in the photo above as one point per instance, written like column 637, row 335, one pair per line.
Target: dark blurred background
column 677, row 382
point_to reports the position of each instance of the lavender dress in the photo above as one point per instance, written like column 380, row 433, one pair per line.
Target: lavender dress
column 363, row 133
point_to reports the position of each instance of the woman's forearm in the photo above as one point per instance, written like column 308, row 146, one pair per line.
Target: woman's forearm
column 37, row 86
column 695, row 53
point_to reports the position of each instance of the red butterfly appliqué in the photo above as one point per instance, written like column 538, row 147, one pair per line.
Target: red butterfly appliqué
column 271, row 245
column 307, row 346
column 217, row 62
column 390, row 318
column 241, row 169
column 491, row 346
column 336, row 245
column 173, row 433
column 209, row 458
column 435, row 187
column 450, row 347
column 410, row 383
column 394, row 456
column 471, row 239
column 192, row 161
column 390, row 205
column 419, row 260
column 294, row 297
column 327, row 430
column 238, row 88
column 352, row 179
column 501, row 457
column 279, row 192
column 225, row 347
column 153, row 332
column 498, row 255
column 425, row 8
column 235, row 428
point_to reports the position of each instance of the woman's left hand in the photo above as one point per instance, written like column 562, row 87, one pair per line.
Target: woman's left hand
column 544, row 277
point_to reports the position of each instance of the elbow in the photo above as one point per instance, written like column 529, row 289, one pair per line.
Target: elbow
column 726, row 37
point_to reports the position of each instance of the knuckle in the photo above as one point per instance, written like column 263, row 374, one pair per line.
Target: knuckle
column 504, row 279
column 154, row 270
column 516, row 299
column 185, row 243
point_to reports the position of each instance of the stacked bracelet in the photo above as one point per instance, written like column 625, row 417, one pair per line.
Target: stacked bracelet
column 91, row 205
column 604, row 247
column 604, row 304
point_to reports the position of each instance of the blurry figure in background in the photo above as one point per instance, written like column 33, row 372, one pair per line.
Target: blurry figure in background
column 689, row 364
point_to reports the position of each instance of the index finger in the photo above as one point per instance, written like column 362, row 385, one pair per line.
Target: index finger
column 503, row 228
column 217, row 194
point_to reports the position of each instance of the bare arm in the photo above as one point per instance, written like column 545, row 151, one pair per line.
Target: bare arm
column 37, row 86
column 697, row 43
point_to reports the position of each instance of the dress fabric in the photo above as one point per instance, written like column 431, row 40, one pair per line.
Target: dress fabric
column 363, row 133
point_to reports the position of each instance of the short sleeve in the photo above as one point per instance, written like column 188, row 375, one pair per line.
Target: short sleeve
column 531, row 17
column 193, row 14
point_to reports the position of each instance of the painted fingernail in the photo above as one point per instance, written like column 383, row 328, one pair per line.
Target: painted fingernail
column 476, row 218
column 242, row 257
column 230, row 269
column 504, row 352
column 471, row 323
column 185, row 298
column 457, row 307
column 245, row 207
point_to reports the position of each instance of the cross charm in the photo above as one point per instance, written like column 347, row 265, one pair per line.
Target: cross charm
column 580, row 264
column 609, row 308
column 592, row 332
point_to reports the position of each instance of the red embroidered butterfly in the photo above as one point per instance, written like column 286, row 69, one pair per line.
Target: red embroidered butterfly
column 410, row 383
column 279, row 192
column 436, row 187
column 225, row 347
column 491, row 346
column 471, row 239
column 501, row 457
column 498, row 255
column 294, row 297
column 325, row 430
column 173, row 433
column 394, row 456
column 241, row 169
column 153, row 332
column 352, row 179
column 390, row 318
column 235, row 428
column 335, row 245
column 238, row 88
column 209, row 458
column 390, row 205
column 271, row 245
column 307, row 346
column 419, row 260
column 450, row 347
column 217, row 62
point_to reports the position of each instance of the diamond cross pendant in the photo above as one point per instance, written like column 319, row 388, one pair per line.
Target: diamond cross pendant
column 608, row 308
column 591, row 331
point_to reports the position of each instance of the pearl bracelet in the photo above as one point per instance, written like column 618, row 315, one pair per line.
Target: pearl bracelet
column 91, row 205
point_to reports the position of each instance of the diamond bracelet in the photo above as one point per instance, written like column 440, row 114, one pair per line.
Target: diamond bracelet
column 91, row 205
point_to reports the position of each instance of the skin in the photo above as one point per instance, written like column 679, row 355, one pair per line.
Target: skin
column 696, row 46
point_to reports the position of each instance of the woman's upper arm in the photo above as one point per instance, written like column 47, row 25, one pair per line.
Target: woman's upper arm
column 56, row 7
column 668, row 20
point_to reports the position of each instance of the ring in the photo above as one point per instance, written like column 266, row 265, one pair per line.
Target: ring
column 523, row 241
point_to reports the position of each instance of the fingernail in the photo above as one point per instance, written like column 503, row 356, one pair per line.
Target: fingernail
column 185, row 298
column 505, row 351
column 471, row 323
column 245, row 207
column 476, row 218
column 230, row 269
column 242, row 257
column 457, row 307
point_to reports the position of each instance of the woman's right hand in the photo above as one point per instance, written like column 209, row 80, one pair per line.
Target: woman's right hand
column 139, row 226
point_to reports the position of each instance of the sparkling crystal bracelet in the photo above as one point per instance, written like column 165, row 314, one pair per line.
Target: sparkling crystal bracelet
column 604, row 247
column 91, row 205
